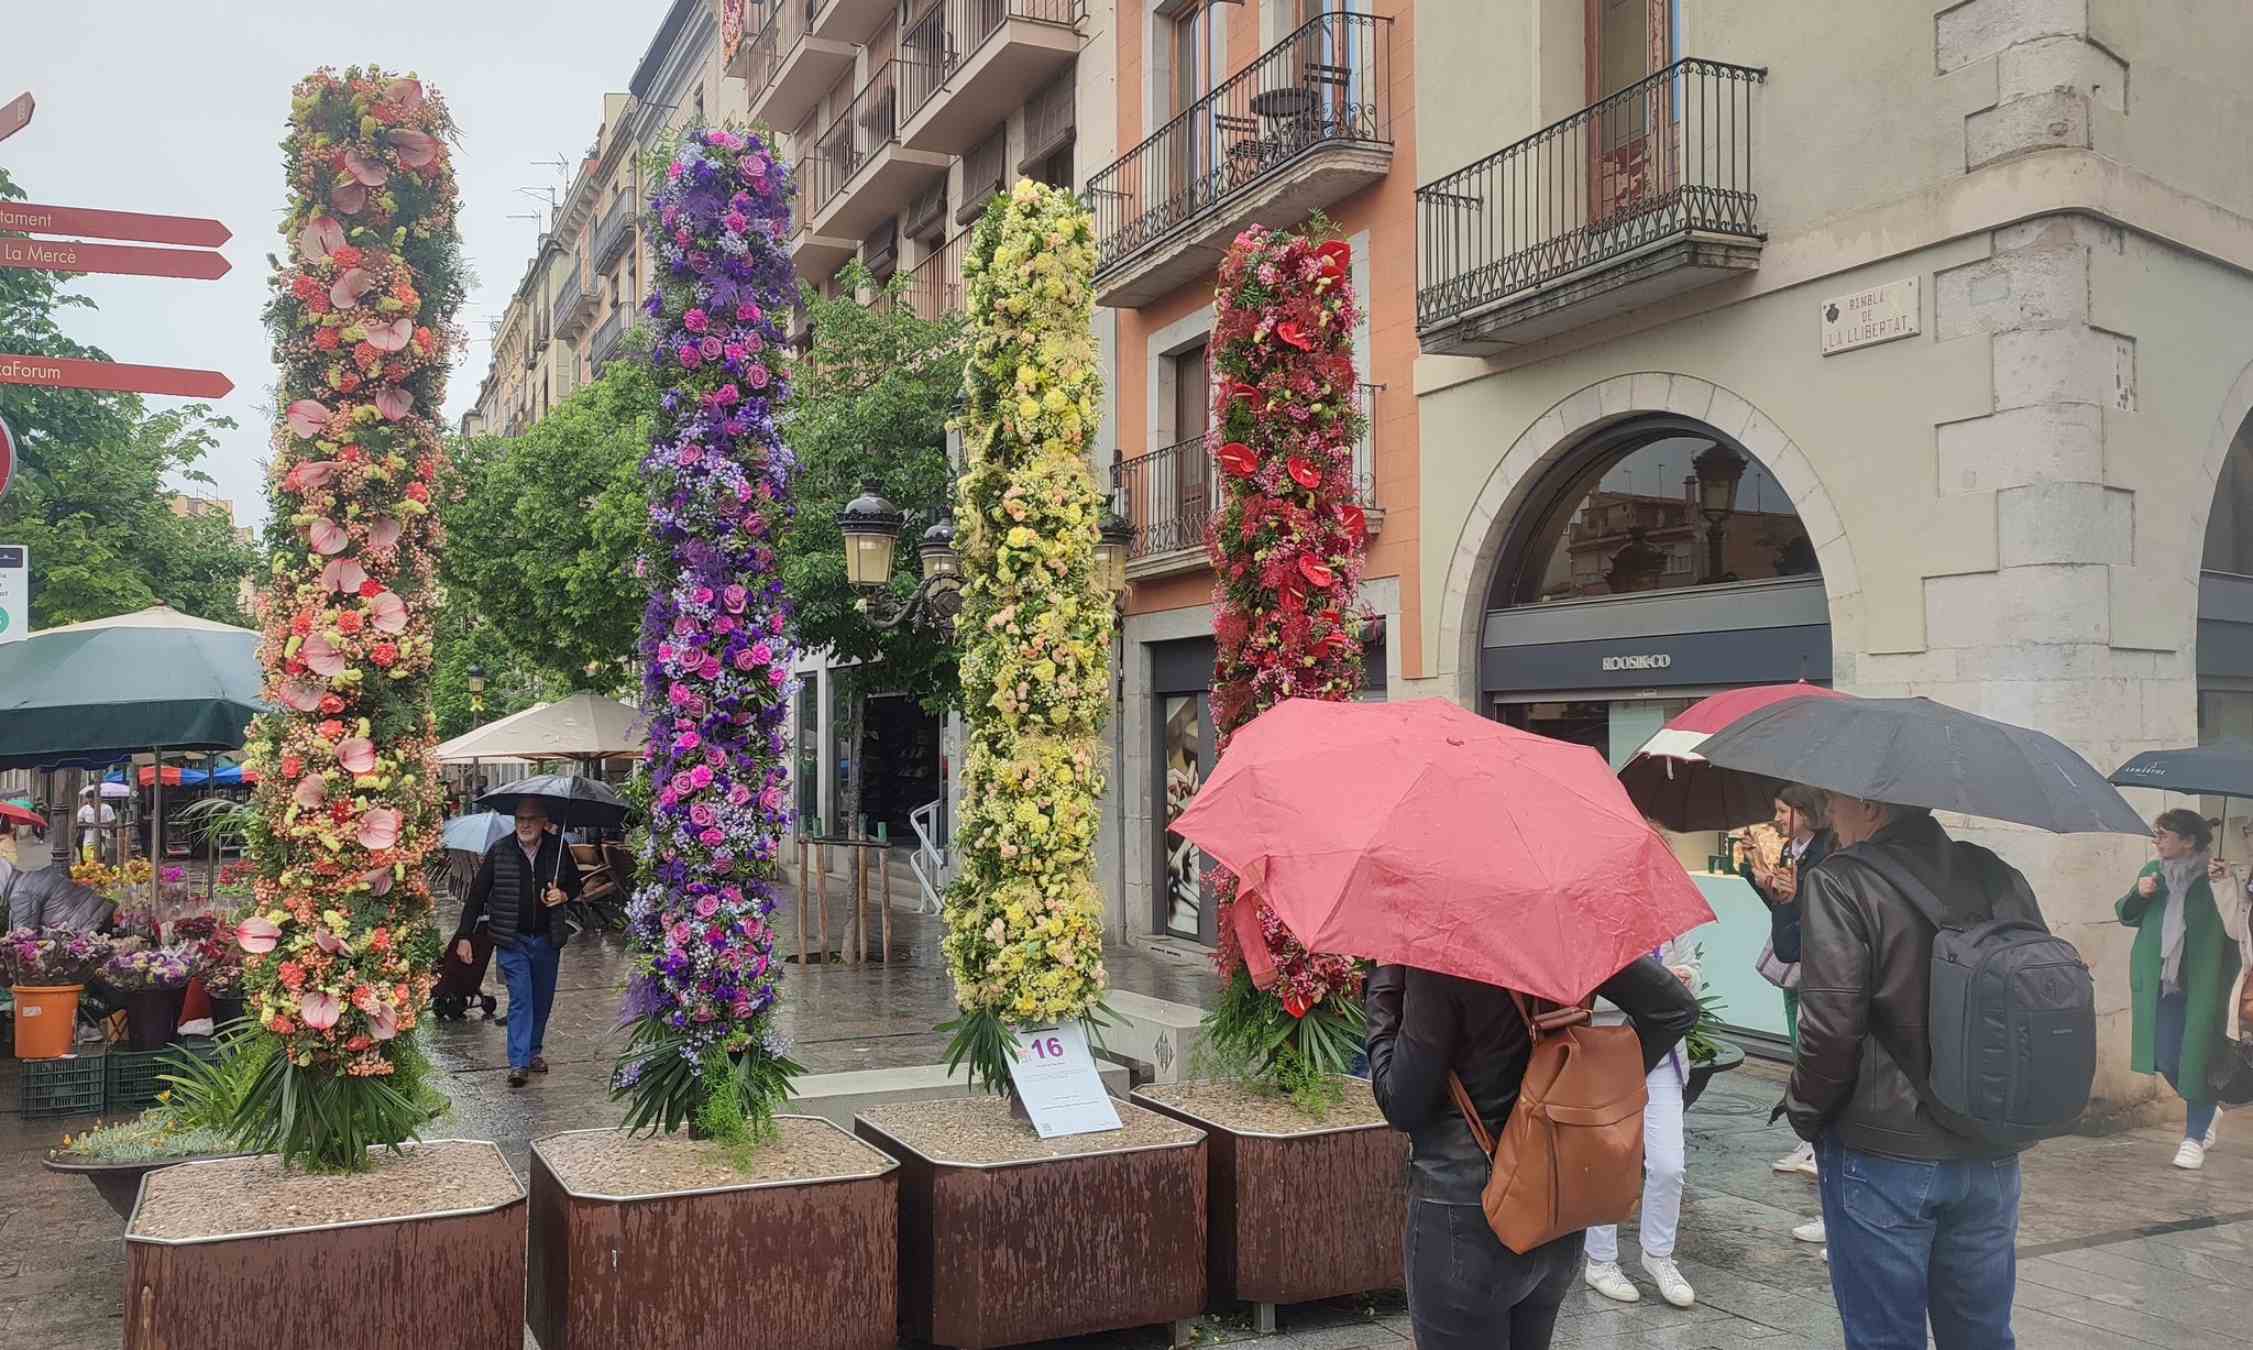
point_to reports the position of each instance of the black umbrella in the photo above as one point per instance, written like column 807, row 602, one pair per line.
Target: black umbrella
column 1915, row 752
column 2223, row 769
column 570, row 799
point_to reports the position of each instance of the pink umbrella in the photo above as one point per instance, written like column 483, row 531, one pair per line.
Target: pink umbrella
column 1679, row 788
column 1423, row 834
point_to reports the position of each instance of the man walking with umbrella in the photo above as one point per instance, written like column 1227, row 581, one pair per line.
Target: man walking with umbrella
column 523, row 877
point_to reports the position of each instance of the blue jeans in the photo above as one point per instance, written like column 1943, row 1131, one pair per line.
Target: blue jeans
column 1911, row 1240
column 529, row 965
column 2174, row 1012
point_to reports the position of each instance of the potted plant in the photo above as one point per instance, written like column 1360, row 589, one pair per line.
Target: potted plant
column 46, row 972
column 154, row 983
column 1709, row 1054
column 644, row 1241
column 219, row 965
column 189, row 1122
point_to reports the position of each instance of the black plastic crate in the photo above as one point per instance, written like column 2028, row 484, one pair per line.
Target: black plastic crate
column 136, row 1077
column 75, row 1086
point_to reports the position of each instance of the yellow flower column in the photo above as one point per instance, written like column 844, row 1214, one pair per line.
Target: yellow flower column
column 1024, row 921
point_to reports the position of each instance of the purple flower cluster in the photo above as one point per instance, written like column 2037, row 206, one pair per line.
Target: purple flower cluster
column 715, row 637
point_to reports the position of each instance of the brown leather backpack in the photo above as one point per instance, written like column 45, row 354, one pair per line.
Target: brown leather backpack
column 1571, row 1154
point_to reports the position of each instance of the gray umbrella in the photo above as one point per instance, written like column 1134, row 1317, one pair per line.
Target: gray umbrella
column 571, row 799
column 1915, row 752
column 477, row 831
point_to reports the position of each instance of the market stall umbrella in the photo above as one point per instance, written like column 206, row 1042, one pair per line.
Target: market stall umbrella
column 2223, row 769
column 1675, row 785
column 583, row 726
column 1915, row 752
column 571, row 799
column 115, row 687
column 477, row 831
column 1423, row 834
column 22, row 815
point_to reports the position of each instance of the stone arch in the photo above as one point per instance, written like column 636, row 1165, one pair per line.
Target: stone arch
column 2237, row 406
column 1570, row 421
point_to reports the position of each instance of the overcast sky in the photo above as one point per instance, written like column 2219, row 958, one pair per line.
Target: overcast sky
column 177, row 106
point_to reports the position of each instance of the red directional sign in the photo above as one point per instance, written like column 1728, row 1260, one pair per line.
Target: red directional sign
column 15, row 114
column 187, row 231
column 62, row 372
column 123, row 259
column 7, row 456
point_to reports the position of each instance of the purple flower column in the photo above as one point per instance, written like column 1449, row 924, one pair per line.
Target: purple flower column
column 718, row 651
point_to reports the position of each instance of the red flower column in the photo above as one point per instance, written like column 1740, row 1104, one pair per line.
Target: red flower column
column 1287, row 545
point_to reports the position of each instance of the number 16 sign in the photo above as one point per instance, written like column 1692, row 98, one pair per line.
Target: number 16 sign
column 1056, row 1079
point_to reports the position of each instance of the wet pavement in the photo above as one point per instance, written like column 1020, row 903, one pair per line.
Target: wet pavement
column 2117, row 1248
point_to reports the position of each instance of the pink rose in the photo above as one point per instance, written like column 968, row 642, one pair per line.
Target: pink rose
column 710, row 670
column 743, row 660
column 736, row 351
column 700, row 777
column 709, row 347
column 704, row 595
column 738, row 795
column 690, row 454
column 690, row 358
column 707, row 907
column 702, row 815
column 776, row 675
column 735, row 596
column 756, row 377
column 687, row 740
column 761, row 653
column 695, row 321
column 747, row 312
column 712, row 838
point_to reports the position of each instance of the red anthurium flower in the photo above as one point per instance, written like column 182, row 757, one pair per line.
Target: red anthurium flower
column 1317, row 573
column 1303, row 471
column 1238, row 459
column 1293, row 598
column 1295, row 335
column 1355, row 520
column 1296, row 1004
column 1240, row 392
column 1336, row 257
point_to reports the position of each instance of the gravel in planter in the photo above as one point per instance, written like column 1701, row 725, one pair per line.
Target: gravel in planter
column 979, row 1131
column 1246, row 1107
column 613, row 1163
column 255, row 1195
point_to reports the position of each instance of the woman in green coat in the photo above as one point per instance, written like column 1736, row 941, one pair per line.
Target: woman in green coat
column 2180, row 972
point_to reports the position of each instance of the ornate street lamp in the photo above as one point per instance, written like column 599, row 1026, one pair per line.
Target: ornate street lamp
column 1111, row 553
column 1718, row 471
column 477, row 689
column 871, row 526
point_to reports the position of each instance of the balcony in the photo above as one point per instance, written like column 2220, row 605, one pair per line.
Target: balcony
column 615, row 232
column 1303, row 127
column 934, row 286
column 813, row 255
column 861, row 174
column 574, row 305
column 1642, row 196
column 969, row 61
column 607, row 336
column 787, row 68
column 849, row 21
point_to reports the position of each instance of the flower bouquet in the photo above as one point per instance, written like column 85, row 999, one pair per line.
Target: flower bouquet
column 154, row 983
column 50, row 958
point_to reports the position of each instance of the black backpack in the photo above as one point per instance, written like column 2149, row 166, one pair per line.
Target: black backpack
column 2012, row 1021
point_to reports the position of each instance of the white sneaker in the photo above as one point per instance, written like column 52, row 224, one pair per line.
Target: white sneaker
column 1826, row 1256
column 2191, row 1156
column 1800, row 1159
column 1671, row 1286
column 1810, row 1231
column 1606, row 1278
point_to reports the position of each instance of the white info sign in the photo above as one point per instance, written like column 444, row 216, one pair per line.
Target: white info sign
column 15, row 592
column 1056, row 1080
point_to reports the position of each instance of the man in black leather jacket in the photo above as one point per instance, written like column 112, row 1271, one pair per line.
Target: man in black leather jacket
column 1465, row 1289
column 1922, row 1222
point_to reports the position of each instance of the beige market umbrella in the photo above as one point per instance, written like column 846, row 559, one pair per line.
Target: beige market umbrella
column 583, row 727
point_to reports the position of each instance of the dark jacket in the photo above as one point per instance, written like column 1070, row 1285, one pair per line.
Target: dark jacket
column 1865, row 985
column 506, row 894
column 1784, row 920
column 1423, row 1024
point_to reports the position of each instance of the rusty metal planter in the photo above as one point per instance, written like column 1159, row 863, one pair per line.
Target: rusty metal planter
column 415, row 1282
column 995, row 1254
column 1314, row 1214
column 813, row 1264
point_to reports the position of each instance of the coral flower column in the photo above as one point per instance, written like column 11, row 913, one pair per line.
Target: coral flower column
column 1024, row 920
column 339, row 946
column 718, row 652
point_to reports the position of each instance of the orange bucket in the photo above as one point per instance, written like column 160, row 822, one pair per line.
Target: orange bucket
column 46, row 1020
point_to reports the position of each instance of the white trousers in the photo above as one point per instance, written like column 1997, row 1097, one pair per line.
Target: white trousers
column 1662, row 1171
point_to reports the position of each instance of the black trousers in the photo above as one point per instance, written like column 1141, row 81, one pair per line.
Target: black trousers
column 1466, row 1291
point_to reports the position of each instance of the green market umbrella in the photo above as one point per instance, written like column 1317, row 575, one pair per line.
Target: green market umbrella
column 103, row 690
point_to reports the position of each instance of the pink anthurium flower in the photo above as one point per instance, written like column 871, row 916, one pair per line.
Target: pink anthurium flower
column 322, row 657
column 319, row 1010
column 257, row 934
column 379, row 828
column 369, row 171
column 303, row 695
column 312, row 790
column 392, row 336
column 326, row 536
column 394, row 402
column 383, row 532
column 357, row 755
column 406, row 93
column 321, row 237
column 327, row 941
column 416, row 148
column 309, row 417
column 349, row 198
column 378, row 881
column 387, row 612
column 309, row 476
column 353, row 284
column 343, row 574
column 383, row 1023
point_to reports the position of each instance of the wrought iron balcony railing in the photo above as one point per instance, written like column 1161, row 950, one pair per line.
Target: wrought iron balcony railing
column 934, row 286
column 787, row 23
column 1169, row 494
column 567, row 298
column 607, row 335
column 614, row 230
column 952, row 31
column 1668, row 156
column 868, row 123
column 1327, row 84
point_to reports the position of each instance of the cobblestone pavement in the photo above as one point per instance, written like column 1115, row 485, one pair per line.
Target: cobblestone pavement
column 2117, row 1248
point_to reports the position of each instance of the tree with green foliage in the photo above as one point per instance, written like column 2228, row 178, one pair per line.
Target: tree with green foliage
column 95, row 477
column 873, row 399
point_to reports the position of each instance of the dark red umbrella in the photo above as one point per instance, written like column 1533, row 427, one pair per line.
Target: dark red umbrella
column 11, row 811
column 1679, row 788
